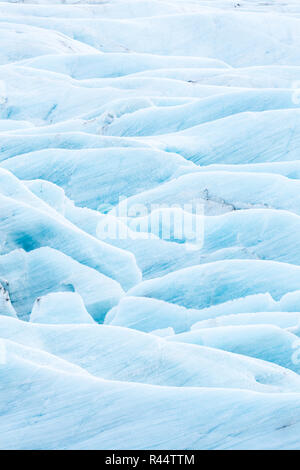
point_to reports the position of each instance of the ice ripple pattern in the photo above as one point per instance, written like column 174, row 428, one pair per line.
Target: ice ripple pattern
column 139, row 342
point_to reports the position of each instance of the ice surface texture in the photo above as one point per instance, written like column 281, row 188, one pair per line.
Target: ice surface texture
column 145, row 341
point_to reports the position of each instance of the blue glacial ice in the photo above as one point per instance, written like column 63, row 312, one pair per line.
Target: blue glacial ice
column 121, row 325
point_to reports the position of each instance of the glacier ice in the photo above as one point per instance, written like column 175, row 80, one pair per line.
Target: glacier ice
column 117, row 119
column 60, row 307
column 44, row 270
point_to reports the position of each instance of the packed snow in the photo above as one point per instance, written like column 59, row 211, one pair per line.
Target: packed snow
column 149, row 222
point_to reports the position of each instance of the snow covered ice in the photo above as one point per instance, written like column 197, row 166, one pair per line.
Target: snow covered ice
column 128, row 320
